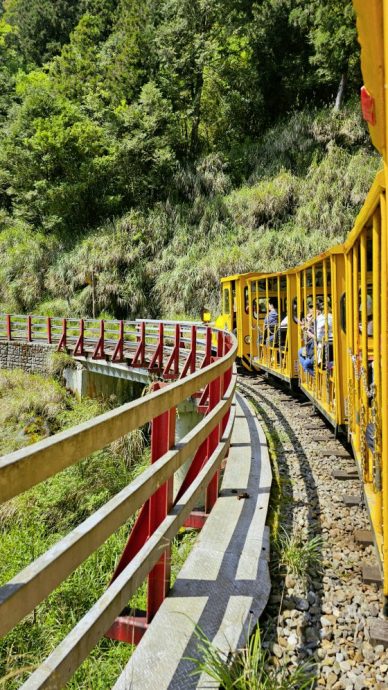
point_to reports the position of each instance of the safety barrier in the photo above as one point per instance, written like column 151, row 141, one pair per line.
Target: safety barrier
column 155, row 345
column 159, row 519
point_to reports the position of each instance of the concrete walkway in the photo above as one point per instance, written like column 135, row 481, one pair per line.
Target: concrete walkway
column 224, row 585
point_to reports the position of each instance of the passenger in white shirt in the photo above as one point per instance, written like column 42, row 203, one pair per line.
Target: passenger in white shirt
column 320, row 321
column 369, row 312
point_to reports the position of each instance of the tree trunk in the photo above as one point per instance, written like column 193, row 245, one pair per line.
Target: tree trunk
column 93, row 296
column 197, row 97
column 341, row 92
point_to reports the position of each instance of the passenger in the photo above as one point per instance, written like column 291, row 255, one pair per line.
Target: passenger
column 284, row 322
column 306, row 353
column 306, row 356
column 270, row 321
column 321, row 320
column 369, row 313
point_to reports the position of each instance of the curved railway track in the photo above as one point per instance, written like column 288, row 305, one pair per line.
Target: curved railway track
column 327, row 619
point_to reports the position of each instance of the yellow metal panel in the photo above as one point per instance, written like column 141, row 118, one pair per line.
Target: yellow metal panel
column 371, row 38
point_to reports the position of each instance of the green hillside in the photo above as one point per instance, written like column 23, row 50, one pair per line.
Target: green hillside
column 148, row 147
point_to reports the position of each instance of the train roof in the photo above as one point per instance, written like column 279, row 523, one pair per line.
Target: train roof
column 338, row 249
column 368, row 207
column 237, row 276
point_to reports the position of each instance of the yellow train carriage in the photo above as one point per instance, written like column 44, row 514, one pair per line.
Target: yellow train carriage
column 236, row 306
column 367, row 358
column 344, row 291
column 320, row 286
column 273, row 346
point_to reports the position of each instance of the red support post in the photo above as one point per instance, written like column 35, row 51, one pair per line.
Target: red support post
column 99, row 352
column 208, row 349
column 191, row 359
column 162, row 439
column 158, row 354
column 118, row 354
column 29, row 329
column 79, row 346
column 139, row 357
column 48, row 324
column 128, row 628
column 8, row 326
column 226, row 383
column 62, row 342
column 193, row 349
column 212, row 442
column 220, row 344
column 174, row 357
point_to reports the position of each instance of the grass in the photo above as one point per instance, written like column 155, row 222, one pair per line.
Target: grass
column 36, row 520
column 248, row 669
column 296, row 555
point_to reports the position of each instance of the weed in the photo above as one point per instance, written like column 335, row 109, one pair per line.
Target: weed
column 296, row 555
column 248, row 669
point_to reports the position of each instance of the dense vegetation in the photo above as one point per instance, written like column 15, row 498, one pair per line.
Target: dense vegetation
column 149, row 146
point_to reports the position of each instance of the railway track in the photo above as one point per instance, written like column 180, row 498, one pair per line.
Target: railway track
column 327, row 619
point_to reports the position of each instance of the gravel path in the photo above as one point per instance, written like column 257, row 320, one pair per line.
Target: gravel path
column 324, row 620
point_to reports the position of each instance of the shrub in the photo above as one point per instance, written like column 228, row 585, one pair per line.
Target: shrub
column 268, row 201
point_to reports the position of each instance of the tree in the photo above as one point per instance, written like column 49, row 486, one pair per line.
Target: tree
column 42, row 27
column 331, row 31
column 10, row 62
column 55, row 161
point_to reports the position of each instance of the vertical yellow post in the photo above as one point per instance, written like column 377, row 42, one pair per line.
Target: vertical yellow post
column 349, row 340
column 325, row 373
column 364, row 356
column 384, row 321
column 335, row 391
column 356, row 401
column 288, row 361
column 384, row 387
column 250, row 322
column 298, row 316
column 316, row 377
column 376, row 242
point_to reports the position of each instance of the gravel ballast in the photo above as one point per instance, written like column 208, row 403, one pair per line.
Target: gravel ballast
column 326, row 619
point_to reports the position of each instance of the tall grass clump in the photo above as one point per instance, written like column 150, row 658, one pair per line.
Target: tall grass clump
column 248, row 669
column 296, row 555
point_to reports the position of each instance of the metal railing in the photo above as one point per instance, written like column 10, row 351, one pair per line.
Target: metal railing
column 162, row 347
column 160, row 518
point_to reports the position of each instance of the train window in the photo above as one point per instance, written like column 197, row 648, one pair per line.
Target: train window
column 273, row 284
column 262, row 306
column 226, row 301
column 369, row 255
column 319, row 278
column 283, row 283
column 254, row 309
column 246, row 300
column 343, row 312
column 295, row 310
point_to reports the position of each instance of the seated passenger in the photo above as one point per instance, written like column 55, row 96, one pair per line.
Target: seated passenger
column 270, row 322
column 306, row 355
column 369, row 313
column 284, row 322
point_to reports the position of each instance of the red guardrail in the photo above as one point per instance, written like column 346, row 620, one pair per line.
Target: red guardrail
column 166, row 348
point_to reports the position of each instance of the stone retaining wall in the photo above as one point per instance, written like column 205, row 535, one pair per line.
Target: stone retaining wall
column 30, row 357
